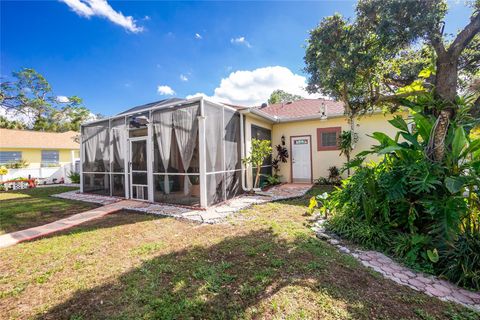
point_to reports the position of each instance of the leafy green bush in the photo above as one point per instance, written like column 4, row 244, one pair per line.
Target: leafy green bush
column 272, row 180
column 74, row 177
column 422, row 212
column 20, row 164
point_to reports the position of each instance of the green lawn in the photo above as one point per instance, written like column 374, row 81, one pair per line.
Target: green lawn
column 33, row 207
column 265, row 263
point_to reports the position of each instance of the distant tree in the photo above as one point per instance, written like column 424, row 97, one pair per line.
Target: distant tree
column 11, row 124
column 279, row 96
column 30, row 96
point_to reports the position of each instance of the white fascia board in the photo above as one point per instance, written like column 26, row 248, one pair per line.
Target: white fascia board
column 164, row 106
column 260, row 114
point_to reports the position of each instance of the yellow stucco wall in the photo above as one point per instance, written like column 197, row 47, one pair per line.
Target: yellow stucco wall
column 34, row 156
column 322, row 160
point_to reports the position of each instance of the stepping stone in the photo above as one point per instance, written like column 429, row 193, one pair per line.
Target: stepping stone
column 417, row 284
column 435, row 292
column 344, row 249
column 401, row 276
column 333, row 241
column 461, row 297
column 441, row 288
column 322, row 236
column 388, row 270
column 423, row 279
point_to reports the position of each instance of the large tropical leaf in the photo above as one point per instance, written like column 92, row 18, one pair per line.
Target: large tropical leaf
column 423, row 126
column 454, row 184
column 411, row 138
column 459, row 142
column 399, row 123
column 390, row 149
column 473, row 147
column 383, row 139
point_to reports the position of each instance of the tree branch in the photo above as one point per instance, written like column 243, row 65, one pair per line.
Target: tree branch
column 465, row 36
column 437, row 43
column 396, row 97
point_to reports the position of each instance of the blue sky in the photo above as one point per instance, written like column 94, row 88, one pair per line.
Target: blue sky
column 119, row 54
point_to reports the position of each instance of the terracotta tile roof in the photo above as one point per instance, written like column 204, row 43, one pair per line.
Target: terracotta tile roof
column 304, row 108
column 37, row 139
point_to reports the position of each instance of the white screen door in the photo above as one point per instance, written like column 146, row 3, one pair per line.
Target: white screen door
column 138, row 169
column 301, row 160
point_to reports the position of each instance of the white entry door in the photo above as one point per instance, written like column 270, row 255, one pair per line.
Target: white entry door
column 301, row 159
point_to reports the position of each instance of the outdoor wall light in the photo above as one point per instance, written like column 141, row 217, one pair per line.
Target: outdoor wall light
column 283, row 140
column 323, row 113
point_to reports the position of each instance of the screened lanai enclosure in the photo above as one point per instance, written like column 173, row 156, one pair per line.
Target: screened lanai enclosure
column 184, row 152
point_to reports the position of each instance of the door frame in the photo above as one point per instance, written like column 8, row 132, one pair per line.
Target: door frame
column 291, row 154
column 130, row 179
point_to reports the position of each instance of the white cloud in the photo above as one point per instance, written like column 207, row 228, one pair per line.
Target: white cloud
column 12, row 115
column 198, row 36
column 252, row 88
column 62, row 99
column 101, row 8
column 241, row 41
column 147, row 18
column 165, row 91
column 198, row 94
column 183, row 77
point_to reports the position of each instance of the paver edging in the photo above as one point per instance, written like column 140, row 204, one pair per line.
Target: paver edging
column 221, row 212
column 390, row 269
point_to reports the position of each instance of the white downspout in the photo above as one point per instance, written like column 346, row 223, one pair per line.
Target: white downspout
column 242, row 152
column 202, row 156
column 82, row 157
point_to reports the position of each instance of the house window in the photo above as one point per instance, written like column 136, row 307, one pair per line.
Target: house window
column 10, row 156
column 50, row 158
column 327, row 138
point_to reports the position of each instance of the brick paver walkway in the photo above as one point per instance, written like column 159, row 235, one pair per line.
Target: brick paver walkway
column 392, row 270
column 12, row 238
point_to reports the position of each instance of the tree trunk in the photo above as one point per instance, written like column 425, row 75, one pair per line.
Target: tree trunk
column 445, row 91
column 348, row 163
column 257, row 177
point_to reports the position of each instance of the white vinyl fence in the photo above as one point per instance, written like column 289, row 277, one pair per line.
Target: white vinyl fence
column 45, row 175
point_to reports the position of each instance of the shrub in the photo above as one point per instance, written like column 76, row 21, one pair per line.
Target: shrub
column 17, row 165
column 261, row 150
column 334, row 175
column 425, row 213
column 74, row 177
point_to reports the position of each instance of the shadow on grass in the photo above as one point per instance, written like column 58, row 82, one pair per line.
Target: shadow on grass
column 230, row 279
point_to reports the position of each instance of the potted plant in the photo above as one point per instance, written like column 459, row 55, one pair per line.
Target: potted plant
column 195, row 189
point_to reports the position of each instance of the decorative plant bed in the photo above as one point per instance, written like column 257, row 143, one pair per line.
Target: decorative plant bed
column 18, row 184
